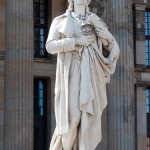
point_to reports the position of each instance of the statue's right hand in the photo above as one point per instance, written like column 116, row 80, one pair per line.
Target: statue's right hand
column 84, row 40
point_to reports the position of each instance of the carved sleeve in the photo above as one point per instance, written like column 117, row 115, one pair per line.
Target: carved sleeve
column 102, row 32
column 54, row 42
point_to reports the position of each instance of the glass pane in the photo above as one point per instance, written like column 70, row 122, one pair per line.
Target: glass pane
column 147, row 52
column 42, row 14
column 42, row 52
column 148, row 20
column 147, row 92
column 146, row 32
column 37, row 31
column 36, row 6
column 36, row 45
column 147, row 23
column 42, row 21
column 42, row 31
column 41, row 103
column 41, row 111
column 42, row 39
column 42, row 1
column 148, row 100
column 146, row 42
column 36, row 103
column 40, row 25
column 42, row 45
column 40, row 134
column 37, row 39
column 147, row 56
column 40, row 85
column 145, row 18
column 42, row 7
column 147, row 109
column 36, row 14
column 36, row 21
column 40, row 93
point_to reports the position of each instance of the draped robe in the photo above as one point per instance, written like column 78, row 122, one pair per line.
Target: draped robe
column 95, row 71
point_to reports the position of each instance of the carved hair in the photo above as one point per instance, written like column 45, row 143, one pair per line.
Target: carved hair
column 71, row 6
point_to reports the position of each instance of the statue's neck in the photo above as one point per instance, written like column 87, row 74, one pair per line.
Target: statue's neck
column 79, row 11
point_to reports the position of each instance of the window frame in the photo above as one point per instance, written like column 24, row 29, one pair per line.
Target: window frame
column 147, row 38
column 41, row 119
column 37, row 26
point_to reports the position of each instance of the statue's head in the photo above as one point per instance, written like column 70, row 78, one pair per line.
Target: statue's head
column 78, row 2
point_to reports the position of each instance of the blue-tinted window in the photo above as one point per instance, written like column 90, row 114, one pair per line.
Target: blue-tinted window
column 148, row 116
column 148, row 100
column 40, row 114
column 147, row 23
column 40, row 98
column 40, row 27
column 147, row 52
column 147, row 35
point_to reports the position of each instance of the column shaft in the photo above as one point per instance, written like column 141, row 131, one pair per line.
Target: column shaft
column 121, row 114
column 18, row 133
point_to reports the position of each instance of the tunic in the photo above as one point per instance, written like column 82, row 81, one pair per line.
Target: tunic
column 82, row 74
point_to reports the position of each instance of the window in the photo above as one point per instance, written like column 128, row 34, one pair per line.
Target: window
column 40, row 114
column 148, row 100
column 148, row 117
column 40, row 27
column 147, row 35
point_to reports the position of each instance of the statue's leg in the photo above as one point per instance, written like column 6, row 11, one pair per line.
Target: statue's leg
column 68, row 139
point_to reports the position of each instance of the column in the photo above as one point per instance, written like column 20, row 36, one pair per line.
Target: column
column 18, row 133
column 121, row 106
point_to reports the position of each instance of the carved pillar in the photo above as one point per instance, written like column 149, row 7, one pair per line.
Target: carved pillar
column 18, row 133
column 121, row 113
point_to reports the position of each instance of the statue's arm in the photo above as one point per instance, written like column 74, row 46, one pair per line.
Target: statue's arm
column 55, row 44
column 102, row 32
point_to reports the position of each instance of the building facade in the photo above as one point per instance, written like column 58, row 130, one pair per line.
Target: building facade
column 27, row 74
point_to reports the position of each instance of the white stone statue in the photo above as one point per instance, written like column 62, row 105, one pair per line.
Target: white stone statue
column 81, row 40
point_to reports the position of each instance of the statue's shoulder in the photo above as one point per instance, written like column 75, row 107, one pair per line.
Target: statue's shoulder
column 97, row 18
column 61, row 17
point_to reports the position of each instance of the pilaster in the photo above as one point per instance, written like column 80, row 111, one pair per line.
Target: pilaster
column 121, row 111
column 18, row 133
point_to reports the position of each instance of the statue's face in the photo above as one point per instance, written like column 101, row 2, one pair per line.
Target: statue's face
column 80, row 2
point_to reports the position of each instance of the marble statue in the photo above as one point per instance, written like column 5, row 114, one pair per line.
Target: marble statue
column 87, row 55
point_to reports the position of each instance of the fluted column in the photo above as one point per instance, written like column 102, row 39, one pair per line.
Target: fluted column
column 121, row 114
column 18, row 133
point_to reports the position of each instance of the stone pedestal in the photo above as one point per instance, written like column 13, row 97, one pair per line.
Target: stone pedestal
column 121, row 111
column 18, row 133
